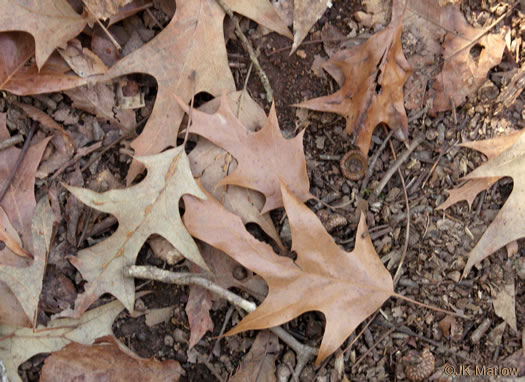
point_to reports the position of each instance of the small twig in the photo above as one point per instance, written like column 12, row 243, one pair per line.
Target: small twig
column 253, row 57
column 106, row 31
column 358, row 361
column 11, row 141
column 304, row 352
column 241, row 97
column 223, row 329
column 402, row 158
column 34, row 126
column 374, row 160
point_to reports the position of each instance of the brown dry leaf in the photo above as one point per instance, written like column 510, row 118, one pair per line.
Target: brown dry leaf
column 52, row 23
column 462, row 73
column 19, row 202
column 9, row 237
column 104, row 9
column 28, row 80
column 187, row 57
column 263, row 157
column 82, row 61
column 306, row 14
column 504, row 301
column 491, row 148
column 508, row 225
column 337, row 283
column 211, row 164
column 19, row 344
column 11, row 312
column 106, row 361
column 377, row 12
column 99, row 99
column 371, row 77
column 150, row 207
column 259, row 364
column 26, row 282
column 198, row 311
column 16, row 48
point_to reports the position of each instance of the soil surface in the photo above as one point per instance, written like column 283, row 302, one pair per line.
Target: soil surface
column 438, row 241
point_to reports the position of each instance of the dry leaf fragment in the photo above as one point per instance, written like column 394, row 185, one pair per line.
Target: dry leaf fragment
column 150, row 207
column 337, row 283
column 52, row 23
column 306, row 13
column 198, row 311
column 16, row 48
column 82, row 61
column 504, row 301
column 371, row 77
column 20, row 344
column 106, row 360
column 187, row 57
column 263, row 157
column 104, row 9
column 259, row 364
column 26, row 282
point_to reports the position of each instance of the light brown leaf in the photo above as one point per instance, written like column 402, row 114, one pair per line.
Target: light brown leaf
column 10, row 238
column 19, row 344
column 211, row 164
column 504, row 301
column 26, row 282
column 104, row 9
column 462, row 74
column 372, row 76
column 509, row 224
column 198, row 311
column 187, row 57
column 19, row 201
column 337, row 283
column 259, row 364
column 150, row 207
column 106, row 361
column 306, row 14
column 263, row 157
column 491, row 148
column 81, row 60
column 52, row 23
column 16, row 48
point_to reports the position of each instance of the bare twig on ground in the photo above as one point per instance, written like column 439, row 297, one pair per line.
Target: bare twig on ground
column 106, row 31
column 402, row 158
column 304, row 352
column 11, row 141
column 253, row 57
column 34, row 126
column 374, row 160
column 358, row 361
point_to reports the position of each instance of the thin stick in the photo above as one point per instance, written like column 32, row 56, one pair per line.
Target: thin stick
column 388, row 332
column 106, row 31
column 241, row 97
column 11, row 141
column 304, row 352
column 435, row 308
column 34, row 126
column 374, row 160
column 402, row 158
column 253, row 57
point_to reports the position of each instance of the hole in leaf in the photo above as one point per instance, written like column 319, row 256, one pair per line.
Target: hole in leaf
column 475, row 52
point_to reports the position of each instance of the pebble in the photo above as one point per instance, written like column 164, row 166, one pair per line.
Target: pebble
column 180, row 336
column 169, row 341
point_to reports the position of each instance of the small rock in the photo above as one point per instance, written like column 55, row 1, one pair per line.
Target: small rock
column 301, row 53
column 319, row 142
column 488, row 91
column 169, row 341
column 454, row 276
column 180, row 336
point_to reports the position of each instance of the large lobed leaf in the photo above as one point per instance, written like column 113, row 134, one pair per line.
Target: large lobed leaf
column 150, row 207
column 346, row 287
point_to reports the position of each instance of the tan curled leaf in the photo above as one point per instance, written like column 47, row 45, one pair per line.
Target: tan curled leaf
column 52, row 23
column 26, row 282
column 263, row 157
column 106, row 361
column 19, row 344
column 371, row 77
column 150, row 207
column 259, row 364
column 187, row 57
column 339, row 284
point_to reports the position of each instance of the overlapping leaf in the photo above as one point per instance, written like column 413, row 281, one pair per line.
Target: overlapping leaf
column 339, row 284
column 187, row 57
column 263, row 157
column 150, row 207
column 371, row 77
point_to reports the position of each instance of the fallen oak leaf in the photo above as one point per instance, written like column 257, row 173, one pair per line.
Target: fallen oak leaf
column 491, row 148
column 305, row 15
column 150, row 207
column 106, row 360
column 508, row 225
column 337, row 283
column 187, row 57
column 371, row 77
column 26, row 282
column 263, row 157
column 52, row 23
column 19, row 344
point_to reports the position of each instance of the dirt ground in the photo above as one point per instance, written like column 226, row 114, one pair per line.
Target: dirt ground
column 438, row 240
